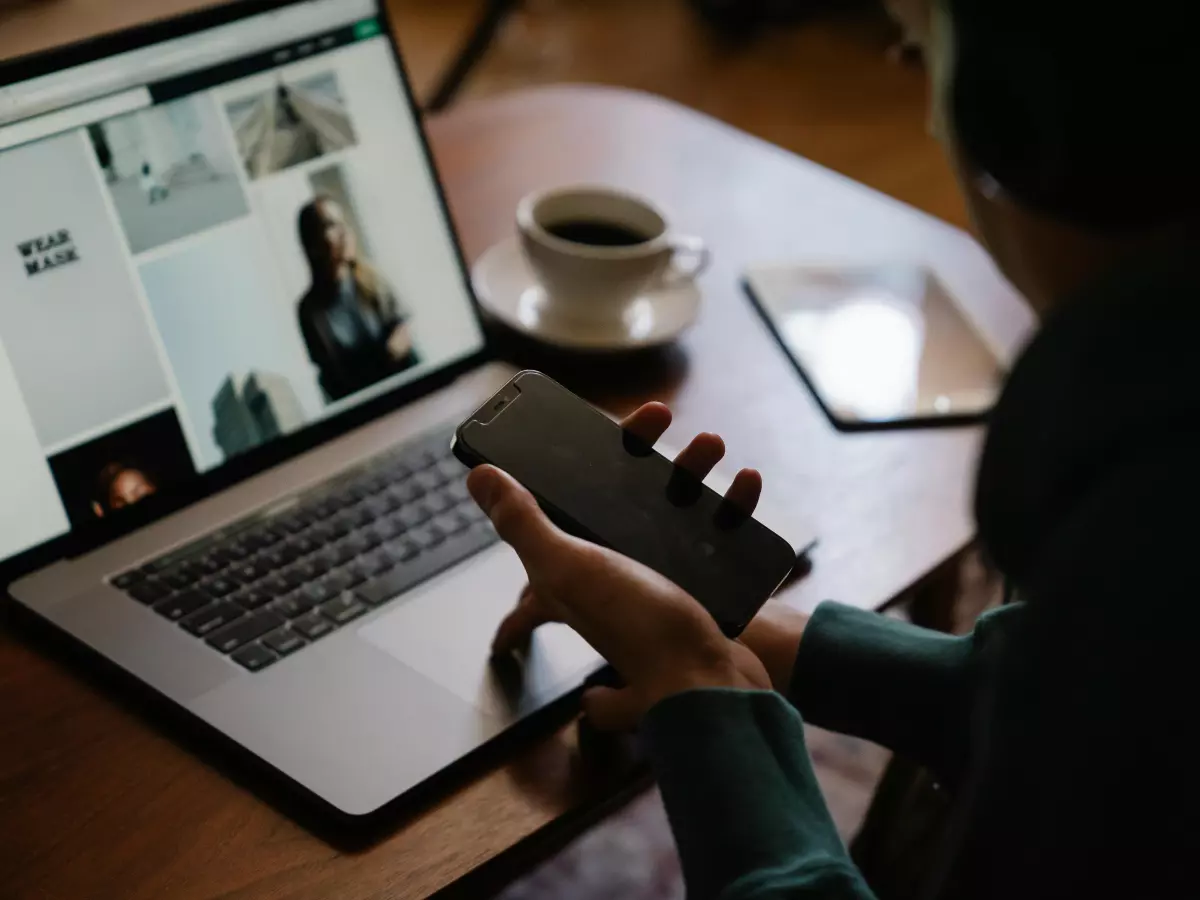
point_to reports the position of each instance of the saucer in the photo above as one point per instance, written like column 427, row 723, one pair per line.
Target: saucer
column 509, row 292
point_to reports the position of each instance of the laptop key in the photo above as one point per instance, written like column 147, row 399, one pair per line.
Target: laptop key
column 293, row 605
column 292, row 577
column 356, row 572
column 337, row 527
column 400, row 551
column 212, row 617
column 439, row 502
column 426, row 536
column 252, row 598
column 344, row 609
column 406, row 492
column 375, row 564
column 337, row 581
column 320, row 591
column 284, row 641
column 294, row 522
column 355, row 545
column 275, row 585
column 274, row 558
column 210, row 564
column 255, row 658
column 470, row 511
column 401, row 578
column 219, row 586
column 233, row 551
column 184, row 603
column 306, row 569
column 361, row 515
column 249, row 571
column 178, row 579
column 244, row 630
column 126, row 580
column 157, row 566
column 313, row 626
column 149, row 591
column 422, row 459
column 303, row 544
column 386, row 529
column 412, row 516
column 450, row 523
column 429, row 480
column 398, row 470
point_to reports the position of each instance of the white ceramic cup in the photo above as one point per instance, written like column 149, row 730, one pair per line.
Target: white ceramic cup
column 596, row 282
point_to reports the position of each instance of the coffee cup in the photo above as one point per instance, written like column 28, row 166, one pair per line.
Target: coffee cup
column 595, row 250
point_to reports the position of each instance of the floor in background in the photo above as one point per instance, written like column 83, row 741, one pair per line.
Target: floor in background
column 826, row 90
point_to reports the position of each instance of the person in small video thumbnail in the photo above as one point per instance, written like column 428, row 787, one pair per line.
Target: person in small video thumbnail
column 356, row 331
column 118, row 486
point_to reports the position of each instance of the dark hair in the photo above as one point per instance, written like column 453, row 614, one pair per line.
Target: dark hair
column 1079, row 110
column 310, row 224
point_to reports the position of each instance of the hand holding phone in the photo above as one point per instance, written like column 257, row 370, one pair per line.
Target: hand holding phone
column 657, row 637
column 607, row 485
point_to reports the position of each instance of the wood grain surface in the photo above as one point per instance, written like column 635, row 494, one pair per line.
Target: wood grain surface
column 96, row 801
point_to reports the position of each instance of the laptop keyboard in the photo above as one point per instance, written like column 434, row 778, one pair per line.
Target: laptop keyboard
column 273, row 584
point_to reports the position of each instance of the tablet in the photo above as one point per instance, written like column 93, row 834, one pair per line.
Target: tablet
column 880, row 346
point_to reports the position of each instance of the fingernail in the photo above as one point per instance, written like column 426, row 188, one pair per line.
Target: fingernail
column 483, row 485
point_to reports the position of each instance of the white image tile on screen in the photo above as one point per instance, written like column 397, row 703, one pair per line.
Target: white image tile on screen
column 217, row 310
column 30, row 510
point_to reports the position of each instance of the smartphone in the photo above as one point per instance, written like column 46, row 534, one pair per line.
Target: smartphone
column 598, row 482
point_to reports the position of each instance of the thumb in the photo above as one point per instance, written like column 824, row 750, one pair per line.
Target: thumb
column 613, row 709
column 519, row 521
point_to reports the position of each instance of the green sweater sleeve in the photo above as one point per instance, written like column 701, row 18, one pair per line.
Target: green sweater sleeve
column 907, row 688
column 747, row 813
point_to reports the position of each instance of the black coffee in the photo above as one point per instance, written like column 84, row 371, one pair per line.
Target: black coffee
column 597, row 233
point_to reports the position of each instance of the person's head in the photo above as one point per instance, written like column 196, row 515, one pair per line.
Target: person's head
column 1069, row 125
column 328, row 241
column 119, row 486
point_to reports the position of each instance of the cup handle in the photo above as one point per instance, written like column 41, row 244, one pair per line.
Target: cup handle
column 693, row 250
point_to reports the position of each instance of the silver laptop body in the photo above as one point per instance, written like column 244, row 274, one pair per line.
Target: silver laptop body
column 230, row 280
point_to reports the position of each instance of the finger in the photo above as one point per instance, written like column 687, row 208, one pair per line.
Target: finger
column 702, row 455
column 518, row 626
column 745, row 491
column 519, row 521
column 613, row 709
column 648, row 422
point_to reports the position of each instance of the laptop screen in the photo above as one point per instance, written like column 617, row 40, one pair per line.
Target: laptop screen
column 208, row 244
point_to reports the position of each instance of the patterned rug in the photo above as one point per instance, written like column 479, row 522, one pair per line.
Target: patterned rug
column 631, row 856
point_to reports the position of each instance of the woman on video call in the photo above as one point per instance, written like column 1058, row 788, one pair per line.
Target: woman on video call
column 355, row 330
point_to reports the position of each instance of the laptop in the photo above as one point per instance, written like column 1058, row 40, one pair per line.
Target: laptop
column 236, row 333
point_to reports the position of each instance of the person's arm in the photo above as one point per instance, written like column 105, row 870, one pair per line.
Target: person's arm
column 864, row 674
column 747, row 813
column 907, row 688
column 749, row 818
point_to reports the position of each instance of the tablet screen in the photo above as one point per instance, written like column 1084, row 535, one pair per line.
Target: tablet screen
column 879, row 344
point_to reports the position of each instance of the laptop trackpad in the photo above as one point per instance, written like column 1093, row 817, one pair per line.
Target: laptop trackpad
column 444, row 630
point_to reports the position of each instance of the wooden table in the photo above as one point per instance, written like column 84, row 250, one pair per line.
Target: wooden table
column 96, row 802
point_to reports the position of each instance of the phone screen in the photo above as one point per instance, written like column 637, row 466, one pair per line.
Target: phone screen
column 602, row 484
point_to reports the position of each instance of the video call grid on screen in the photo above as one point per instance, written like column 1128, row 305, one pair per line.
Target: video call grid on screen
column 250, row 250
